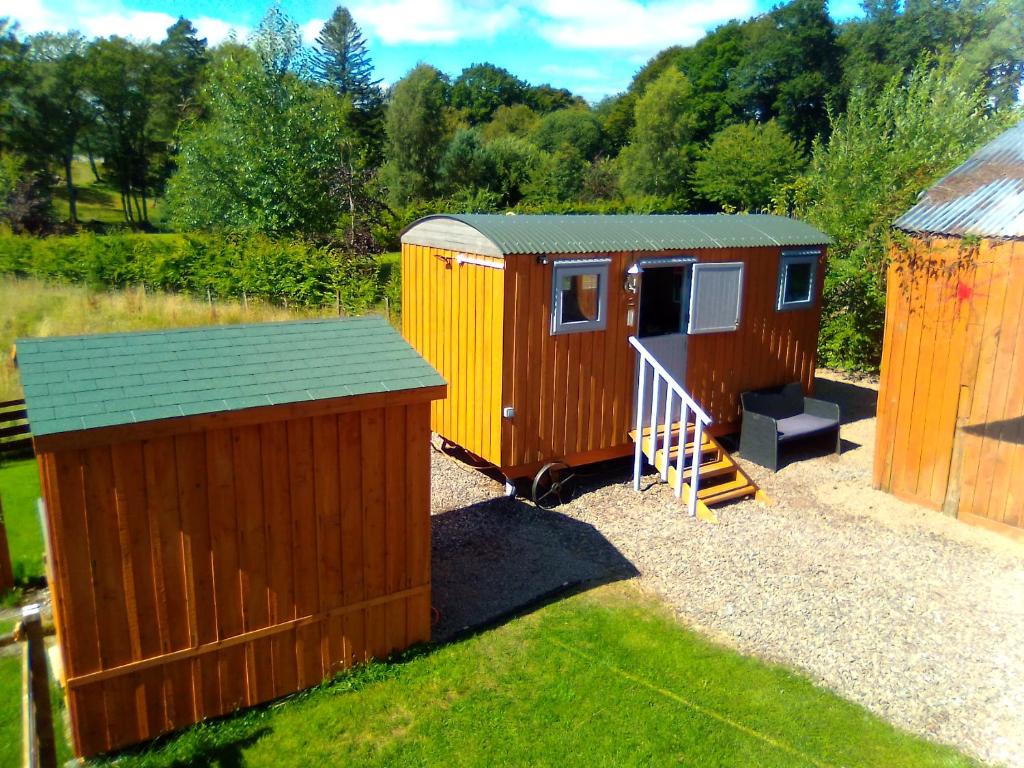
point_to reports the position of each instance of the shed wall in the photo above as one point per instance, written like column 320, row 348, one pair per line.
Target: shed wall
column 452, row 315
column 573, row 393
column 950, row 431
column 213, row 569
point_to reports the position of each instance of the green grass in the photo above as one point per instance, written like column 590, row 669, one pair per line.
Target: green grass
column 604, row 678
column 10, row 714
column 19, row 489
column 10, row 710
column 98, row 201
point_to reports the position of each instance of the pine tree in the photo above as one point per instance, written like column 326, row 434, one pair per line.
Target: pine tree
column 343, row 61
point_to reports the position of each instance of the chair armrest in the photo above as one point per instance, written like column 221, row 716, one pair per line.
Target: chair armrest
column 759, row 439
column 822, row 408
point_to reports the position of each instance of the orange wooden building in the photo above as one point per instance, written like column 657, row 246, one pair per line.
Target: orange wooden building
column 232, row 513
column 951, row 403
column 530, row 320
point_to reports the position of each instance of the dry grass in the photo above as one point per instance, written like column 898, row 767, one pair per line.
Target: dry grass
column 35, row 308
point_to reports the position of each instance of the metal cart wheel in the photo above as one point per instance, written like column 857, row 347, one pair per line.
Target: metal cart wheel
column 554, row 485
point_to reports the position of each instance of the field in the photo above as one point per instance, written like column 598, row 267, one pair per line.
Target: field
column 34, row 308
column 602, row 678
column 19, row 489
column 98, row 201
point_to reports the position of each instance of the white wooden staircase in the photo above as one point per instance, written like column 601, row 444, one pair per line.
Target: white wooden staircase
column 671, row 434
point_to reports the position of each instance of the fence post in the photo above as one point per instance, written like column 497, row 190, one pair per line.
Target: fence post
column 6, row 571
column 37, row 721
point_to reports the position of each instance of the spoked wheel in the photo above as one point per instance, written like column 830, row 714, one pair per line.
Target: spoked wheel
column 554, row 485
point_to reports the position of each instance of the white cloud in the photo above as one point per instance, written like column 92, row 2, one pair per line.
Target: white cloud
column 217, row 30
column 109, row 18
column 311, row 30
column 433, row 21
column 631, row 25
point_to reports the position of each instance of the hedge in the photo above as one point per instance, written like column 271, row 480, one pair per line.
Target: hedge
column 291, row 272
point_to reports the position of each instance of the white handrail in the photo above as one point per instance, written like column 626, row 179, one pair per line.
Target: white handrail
column 687, row 405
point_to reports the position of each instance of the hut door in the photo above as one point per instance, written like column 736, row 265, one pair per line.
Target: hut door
column 663, row 318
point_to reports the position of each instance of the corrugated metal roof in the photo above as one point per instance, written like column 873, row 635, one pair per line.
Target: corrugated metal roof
column 84, row 382
column 541, row 233
column 982, row 197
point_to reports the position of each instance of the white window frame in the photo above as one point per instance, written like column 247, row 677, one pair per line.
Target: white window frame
column 787, row 259
column 572, row 268
column 694, row 328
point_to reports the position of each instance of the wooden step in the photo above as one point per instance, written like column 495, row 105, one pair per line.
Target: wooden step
column 705, row 446
column 734, row 489
column 718, row 465
column 661, row 434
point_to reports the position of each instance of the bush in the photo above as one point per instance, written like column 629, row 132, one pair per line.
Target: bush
column 292, row 272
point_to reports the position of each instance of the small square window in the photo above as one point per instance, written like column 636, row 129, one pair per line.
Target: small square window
column 797, row 277
column 580, row 292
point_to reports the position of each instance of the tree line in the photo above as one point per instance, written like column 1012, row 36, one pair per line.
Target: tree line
column 788, row 112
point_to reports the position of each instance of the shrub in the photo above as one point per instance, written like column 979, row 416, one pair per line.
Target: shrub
column 289, row 271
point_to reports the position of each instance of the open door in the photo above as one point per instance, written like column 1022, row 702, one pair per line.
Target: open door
column 663, row 319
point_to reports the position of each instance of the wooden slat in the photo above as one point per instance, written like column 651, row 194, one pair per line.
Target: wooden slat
column 245, row 638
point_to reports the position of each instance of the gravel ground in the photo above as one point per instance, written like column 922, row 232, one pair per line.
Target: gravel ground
column 915, row 616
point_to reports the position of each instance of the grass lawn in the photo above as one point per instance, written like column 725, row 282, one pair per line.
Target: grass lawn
column 98, row 201
column 603, row 678
column 19, row 489
column 10, row 714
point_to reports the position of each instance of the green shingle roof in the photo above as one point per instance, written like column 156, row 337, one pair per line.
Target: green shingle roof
column 83, row 382
column 533, row 234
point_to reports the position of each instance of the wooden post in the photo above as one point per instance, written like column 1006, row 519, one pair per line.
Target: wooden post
column 40, row 748
column 6, row 571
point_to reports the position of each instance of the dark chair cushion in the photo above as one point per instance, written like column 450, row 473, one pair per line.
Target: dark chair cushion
column 804, row 424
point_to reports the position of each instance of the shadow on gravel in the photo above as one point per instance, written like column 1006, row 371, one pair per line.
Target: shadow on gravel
column 855, row 402
column 501, row 558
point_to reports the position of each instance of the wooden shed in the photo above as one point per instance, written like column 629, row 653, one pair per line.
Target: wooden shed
column 950, row 430
column 546, row 327
column 232, row 513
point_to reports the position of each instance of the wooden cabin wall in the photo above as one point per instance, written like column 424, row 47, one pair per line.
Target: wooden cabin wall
column 452, row 315
column 950, row 431
column 573, row 393
column 205, row 571
column 769, row 348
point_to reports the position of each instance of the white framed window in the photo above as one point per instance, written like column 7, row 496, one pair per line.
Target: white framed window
column 798, row 273
column 579, row 295
column 716, row 297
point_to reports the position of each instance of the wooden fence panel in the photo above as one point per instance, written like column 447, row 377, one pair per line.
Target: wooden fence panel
column 220, row 569
column 15, row 432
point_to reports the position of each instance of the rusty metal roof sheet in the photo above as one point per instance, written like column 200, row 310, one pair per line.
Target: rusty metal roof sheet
column 594, row 233
column 983, row 197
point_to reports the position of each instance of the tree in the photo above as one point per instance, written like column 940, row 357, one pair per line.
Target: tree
column 415, row 135
column 341, row 60
column 578, row 129
column 269, row 157
column 122, row 80
column 278, row 44
column 617, row 115
column 52, row 109
column 482, row 88
column 12, row 74
column 657, row 161
column 517, row 120
column 466, row 163
column 546, row 98
column 885, row 150
column 745, row 165
column 791, row 69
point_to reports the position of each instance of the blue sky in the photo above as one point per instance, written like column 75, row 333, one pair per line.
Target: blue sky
column 592, row 47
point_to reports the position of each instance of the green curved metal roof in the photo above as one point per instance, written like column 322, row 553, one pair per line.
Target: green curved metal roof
column 596, row 233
